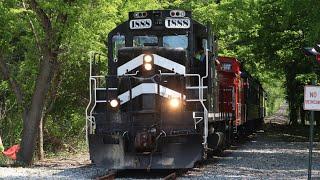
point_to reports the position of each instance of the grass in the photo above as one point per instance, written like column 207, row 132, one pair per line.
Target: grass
column 80, row 147
column 68, row 150
column 4, row 161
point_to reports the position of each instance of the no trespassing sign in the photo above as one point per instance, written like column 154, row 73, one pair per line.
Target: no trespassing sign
column 311, row 98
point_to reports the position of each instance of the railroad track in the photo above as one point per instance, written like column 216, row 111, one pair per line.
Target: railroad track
column 167, row 174
column 109, row 176
column 171, row 175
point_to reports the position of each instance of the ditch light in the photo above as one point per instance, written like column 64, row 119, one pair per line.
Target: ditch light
column 114, row 103
column 174, row 103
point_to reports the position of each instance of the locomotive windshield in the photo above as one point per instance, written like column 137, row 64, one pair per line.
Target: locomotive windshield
column 175, row 41
column 169, row 41
column 141, row 41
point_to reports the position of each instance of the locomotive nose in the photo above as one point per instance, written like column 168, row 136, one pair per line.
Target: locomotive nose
column 151, row 89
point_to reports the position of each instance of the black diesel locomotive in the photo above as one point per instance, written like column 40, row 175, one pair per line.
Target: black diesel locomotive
column 157, row 107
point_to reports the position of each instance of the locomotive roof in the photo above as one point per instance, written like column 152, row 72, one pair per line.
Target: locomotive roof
column 161, row 13
column 156, row 22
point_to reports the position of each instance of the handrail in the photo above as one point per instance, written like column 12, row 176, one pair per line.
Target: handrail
column 88, row 111
column 205, row 144
column 195, row 119
column 197, row 87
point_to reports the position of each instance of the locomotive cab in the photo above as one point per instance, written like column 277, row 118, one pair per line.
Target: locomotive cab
column 157, row 101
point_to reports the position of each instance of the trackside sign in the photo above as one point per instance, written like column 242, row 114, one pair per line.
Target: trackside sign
column 312, row 98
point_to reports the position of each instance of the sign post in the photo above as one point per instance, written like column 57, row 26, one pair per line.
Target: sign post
column 311, row 103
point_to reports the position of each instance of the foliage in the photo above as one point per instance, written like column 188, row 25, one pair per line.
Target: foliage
column 265, row 35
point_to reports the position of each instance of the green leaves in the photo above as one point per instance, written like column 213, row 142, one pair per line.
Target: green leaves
column 4, row 86
column 306, row 79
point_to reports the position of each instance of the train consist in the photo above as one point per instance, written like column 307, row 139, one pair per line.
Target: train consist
column 167, row 100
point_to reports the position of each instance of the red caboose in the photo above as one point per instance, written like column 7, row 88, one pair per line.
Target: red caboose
column 241, row 97
column 231, row 91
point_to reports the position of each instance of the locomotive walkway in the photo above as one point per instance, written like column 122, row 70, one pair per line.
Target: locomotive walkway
column 273, row 153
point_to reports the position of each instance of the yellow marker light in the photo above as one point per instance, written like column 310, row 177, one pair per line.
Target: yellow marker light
column 114, row 103
column 174, row 103
column 147, row 66
column 147, row 58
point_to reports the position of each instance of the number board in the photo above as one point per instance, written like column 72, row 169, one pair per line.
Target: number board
column 311, row 98
column 140, row 24
column 177, row 23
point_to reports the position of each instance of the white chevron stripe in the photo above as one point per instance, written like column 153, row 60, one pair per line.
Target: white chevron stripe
column 158, row 60
column 169, row 64
column 149, row 88
column 130, row 65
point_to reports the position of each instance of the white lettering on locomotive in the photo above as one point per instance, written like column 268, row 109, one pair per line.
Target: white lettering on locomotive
column 178, row 23
column 140, row 24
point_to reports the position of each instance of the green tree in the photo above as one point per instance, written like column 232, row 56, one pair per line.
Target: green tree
column 48, row 21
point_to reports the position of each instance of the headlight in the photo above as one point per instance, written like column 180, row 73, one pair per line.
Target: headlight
column 147, row 66
column 174, row 103
column 147, row 58
column 114, row 103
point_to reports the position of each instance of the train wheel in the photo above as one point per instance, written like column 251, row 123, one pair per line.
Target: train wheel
column 216, row 143
column 229, row 133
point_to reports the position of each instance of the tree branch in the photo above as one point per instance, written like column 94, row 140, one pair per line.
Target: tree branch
column 4, row 69
column 52, row 94
column 45, row 23
column 36, row 37
column 45, row 20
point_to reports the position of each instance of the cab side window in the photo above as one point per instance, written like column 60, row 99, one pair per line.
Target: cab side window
column 118, row 41
column 175, row 41
column 199, row 55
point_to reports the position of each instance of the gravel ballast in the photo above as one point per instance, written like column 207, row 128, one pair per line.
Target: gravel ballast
column 272, row 153
column 261, row 159
column 50, row 173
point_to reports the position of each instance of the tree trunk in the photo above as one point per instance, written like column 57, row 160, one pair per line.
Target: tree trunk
column 40, row 143
column 31, row 121
column 303, row 116
column 291, row 86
